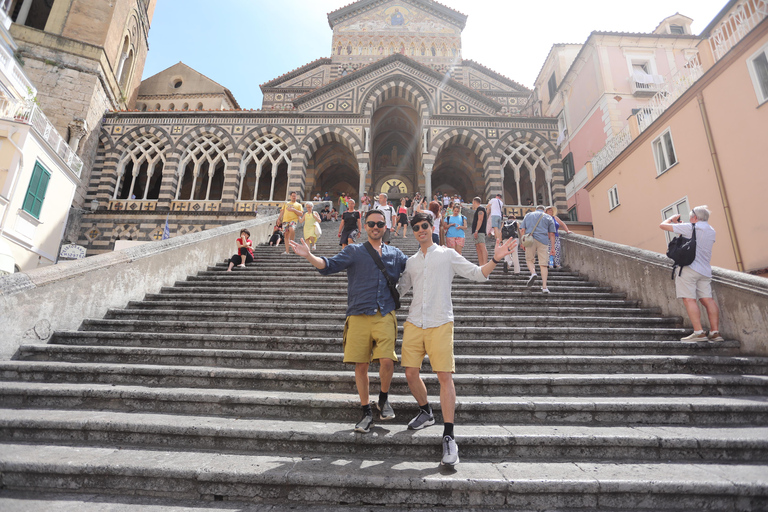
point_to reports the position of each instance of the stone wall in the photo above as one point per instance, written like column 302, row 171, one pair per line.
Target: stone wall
column 34, row 304
column 646, row 275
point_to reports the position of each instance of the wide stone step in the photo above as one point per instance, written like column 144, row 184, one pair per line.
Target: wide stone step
column 328, row 480
column 492, row 318
column 480, row 364
column 386, row 439
column 341, row 307
column 570, row 384
column 336, row 329
column 344, row 407
column 281, row 271
column 332, row 344
column 530, row 299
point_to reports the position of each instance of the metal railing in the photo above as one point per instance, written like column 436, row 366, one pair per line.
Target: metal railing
column 30, row 113
column 731, row 30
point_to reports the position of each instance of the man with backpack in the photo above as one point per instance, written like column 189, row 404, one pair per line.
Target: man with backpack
column 695, row 280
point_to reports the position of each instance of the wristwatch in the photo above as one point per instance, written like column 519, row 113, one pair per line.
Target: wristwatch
column 494, row 260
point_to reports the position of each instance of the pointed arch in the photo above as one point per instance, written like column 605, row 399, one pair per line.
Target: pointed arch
column 201, row 168
column 140, row 156
column 330, row 134
column 466, row 137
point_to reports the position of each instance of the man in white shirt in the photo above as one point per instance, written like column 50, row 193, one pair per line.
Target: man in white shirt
column 429, row 326
column 388, row 212
column 495, row 210
column 695, row 280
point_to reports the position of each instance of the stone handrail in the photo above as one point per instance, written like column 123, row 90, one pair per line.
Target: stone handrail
column 646, row 275
column 33, row 304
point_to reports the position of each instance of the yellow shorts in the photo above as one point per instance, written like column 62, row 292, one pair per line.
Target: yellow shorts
column 436, row 342
column 368, row 338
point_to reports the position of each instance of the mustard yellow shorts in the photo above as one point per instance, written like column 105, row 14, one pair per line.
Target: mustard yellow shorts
column 368, row 338
column 436, row 342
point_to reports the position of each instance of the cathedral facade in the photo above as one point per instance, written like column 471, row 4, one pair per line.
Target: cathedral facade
column 395, row 108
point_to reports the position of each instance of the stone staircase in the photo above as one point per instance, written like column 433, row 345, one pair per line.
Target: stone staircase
column 230, row 386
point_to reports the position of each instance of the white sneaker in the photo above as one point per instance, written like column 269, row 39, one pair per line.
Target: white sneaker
column 450, row 452
column 545, row 290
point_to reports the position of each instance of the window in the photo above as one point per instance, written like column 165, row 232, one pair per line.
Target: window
column 758, row 69
column 679, row 207
column 199, row 106
column 552, row 86
column 676, row 29
column 573, row 215
column 613, row 197
column 38, row 184
column 568, row 170
column 664, row 152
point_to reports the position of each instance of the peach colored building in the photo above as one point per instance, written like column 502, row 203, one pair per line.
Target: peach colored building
column 703, row 141
column 593, row 88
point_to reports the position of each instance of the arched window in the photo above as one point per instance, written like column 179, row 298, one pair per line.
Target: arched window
column 126, row 70
column 524, row 155
column 265, row 163
column 171, row 107
column 144, row 107
column 202, row 170
column 157, row 106
column 185, row 106
column 199, row 106
column 140, row 172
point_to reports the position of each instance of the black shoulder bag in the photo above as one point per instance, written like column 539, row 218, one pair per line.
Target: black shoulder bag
column 682, row 251
column 392, row 287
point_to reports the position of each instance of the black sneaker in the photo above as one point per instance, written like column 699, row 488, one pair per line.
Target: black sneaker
column 421, row 420
column 385, row 411
column 364, row 425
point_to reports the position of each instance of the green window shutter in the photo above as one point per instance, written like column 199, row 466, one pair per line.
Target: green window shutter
column 38, row 185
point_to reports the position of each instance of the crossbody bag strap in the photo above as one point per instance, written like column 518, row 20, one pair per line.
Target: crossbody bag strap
column 537, row 223
column 390, row 284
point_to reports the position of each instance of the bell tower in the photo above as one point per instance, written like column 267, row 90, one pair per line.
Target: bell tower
column 85, row 57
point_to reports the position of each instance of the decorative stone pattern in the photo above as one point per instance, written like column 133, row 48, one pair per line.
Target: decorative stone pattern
column 461, row 122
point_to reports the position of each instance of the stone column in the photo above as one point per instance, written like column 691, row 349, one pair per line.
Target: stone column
column 548, row 178
column 78, row 128
column 367, row 140
column 363, row 176
column 532, row 174
column 517, row 185
column 21, row 19
column 428, row 181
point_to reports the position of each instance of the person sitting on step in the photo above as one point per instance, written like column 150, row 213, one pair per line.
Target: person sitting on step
column 244, row 251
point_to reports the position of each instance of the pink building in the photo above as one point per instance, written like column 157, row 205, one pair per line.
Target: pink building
column 593, row 88
column 700, row 141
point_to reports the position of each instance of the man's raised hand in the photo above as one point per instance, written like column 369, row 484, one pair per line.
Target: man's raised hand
column 301, row 249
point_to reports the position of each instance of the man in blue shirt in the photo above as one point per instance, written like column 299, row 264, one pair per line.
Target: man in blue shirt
column 542, row 226
column 370, row 330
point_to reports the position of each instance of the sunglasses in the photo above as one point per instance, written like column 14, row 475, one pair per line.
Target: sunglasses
column 372, row 224
column 419, row 227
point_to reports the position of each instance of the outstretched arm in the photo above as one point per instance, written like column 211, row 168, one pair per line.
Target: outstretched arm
column 302, row 250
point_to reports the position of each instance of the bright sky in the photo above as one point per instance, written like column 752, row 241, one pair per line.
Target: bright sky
column 244, row 43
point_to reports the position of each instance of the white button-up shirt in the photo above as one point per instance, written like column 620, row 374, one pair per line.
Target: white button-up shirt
column 431, row 276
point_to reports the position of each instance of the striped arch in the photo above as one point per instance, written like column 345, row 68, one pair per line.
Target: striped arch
column 201, row 130
column 397, row 87
column 537, row 139
column 328, row 134
column 547, row 154
column 260, row 131
column 116, row 152
column 477, row 143
column 104, row 158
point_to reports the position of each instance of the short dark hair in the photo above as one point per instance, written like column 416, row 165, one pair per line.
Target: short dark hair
column 419, row 217
column 247, row 233
column 371, row 212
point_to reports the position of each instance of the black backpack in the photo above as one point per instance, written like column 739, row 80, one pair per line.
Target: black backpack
column 682, row 251
column 509, row 230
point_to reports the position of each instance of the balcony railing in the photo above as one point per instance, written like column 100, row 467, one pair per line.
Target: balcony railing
column 669, row 92
column 731, row 30
column 30, row 113
column 613, row 147
column 644, row 89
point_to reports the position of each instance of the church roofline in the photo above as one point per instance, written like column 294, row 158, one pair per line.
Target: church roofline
column 296, row 72
column 344, row 13
column 226, row 91
column 496, row 75
column 397, row 57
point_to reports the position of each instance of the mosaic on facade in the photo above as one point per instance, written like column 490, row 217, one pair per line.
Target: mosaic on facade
column 398, row 124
